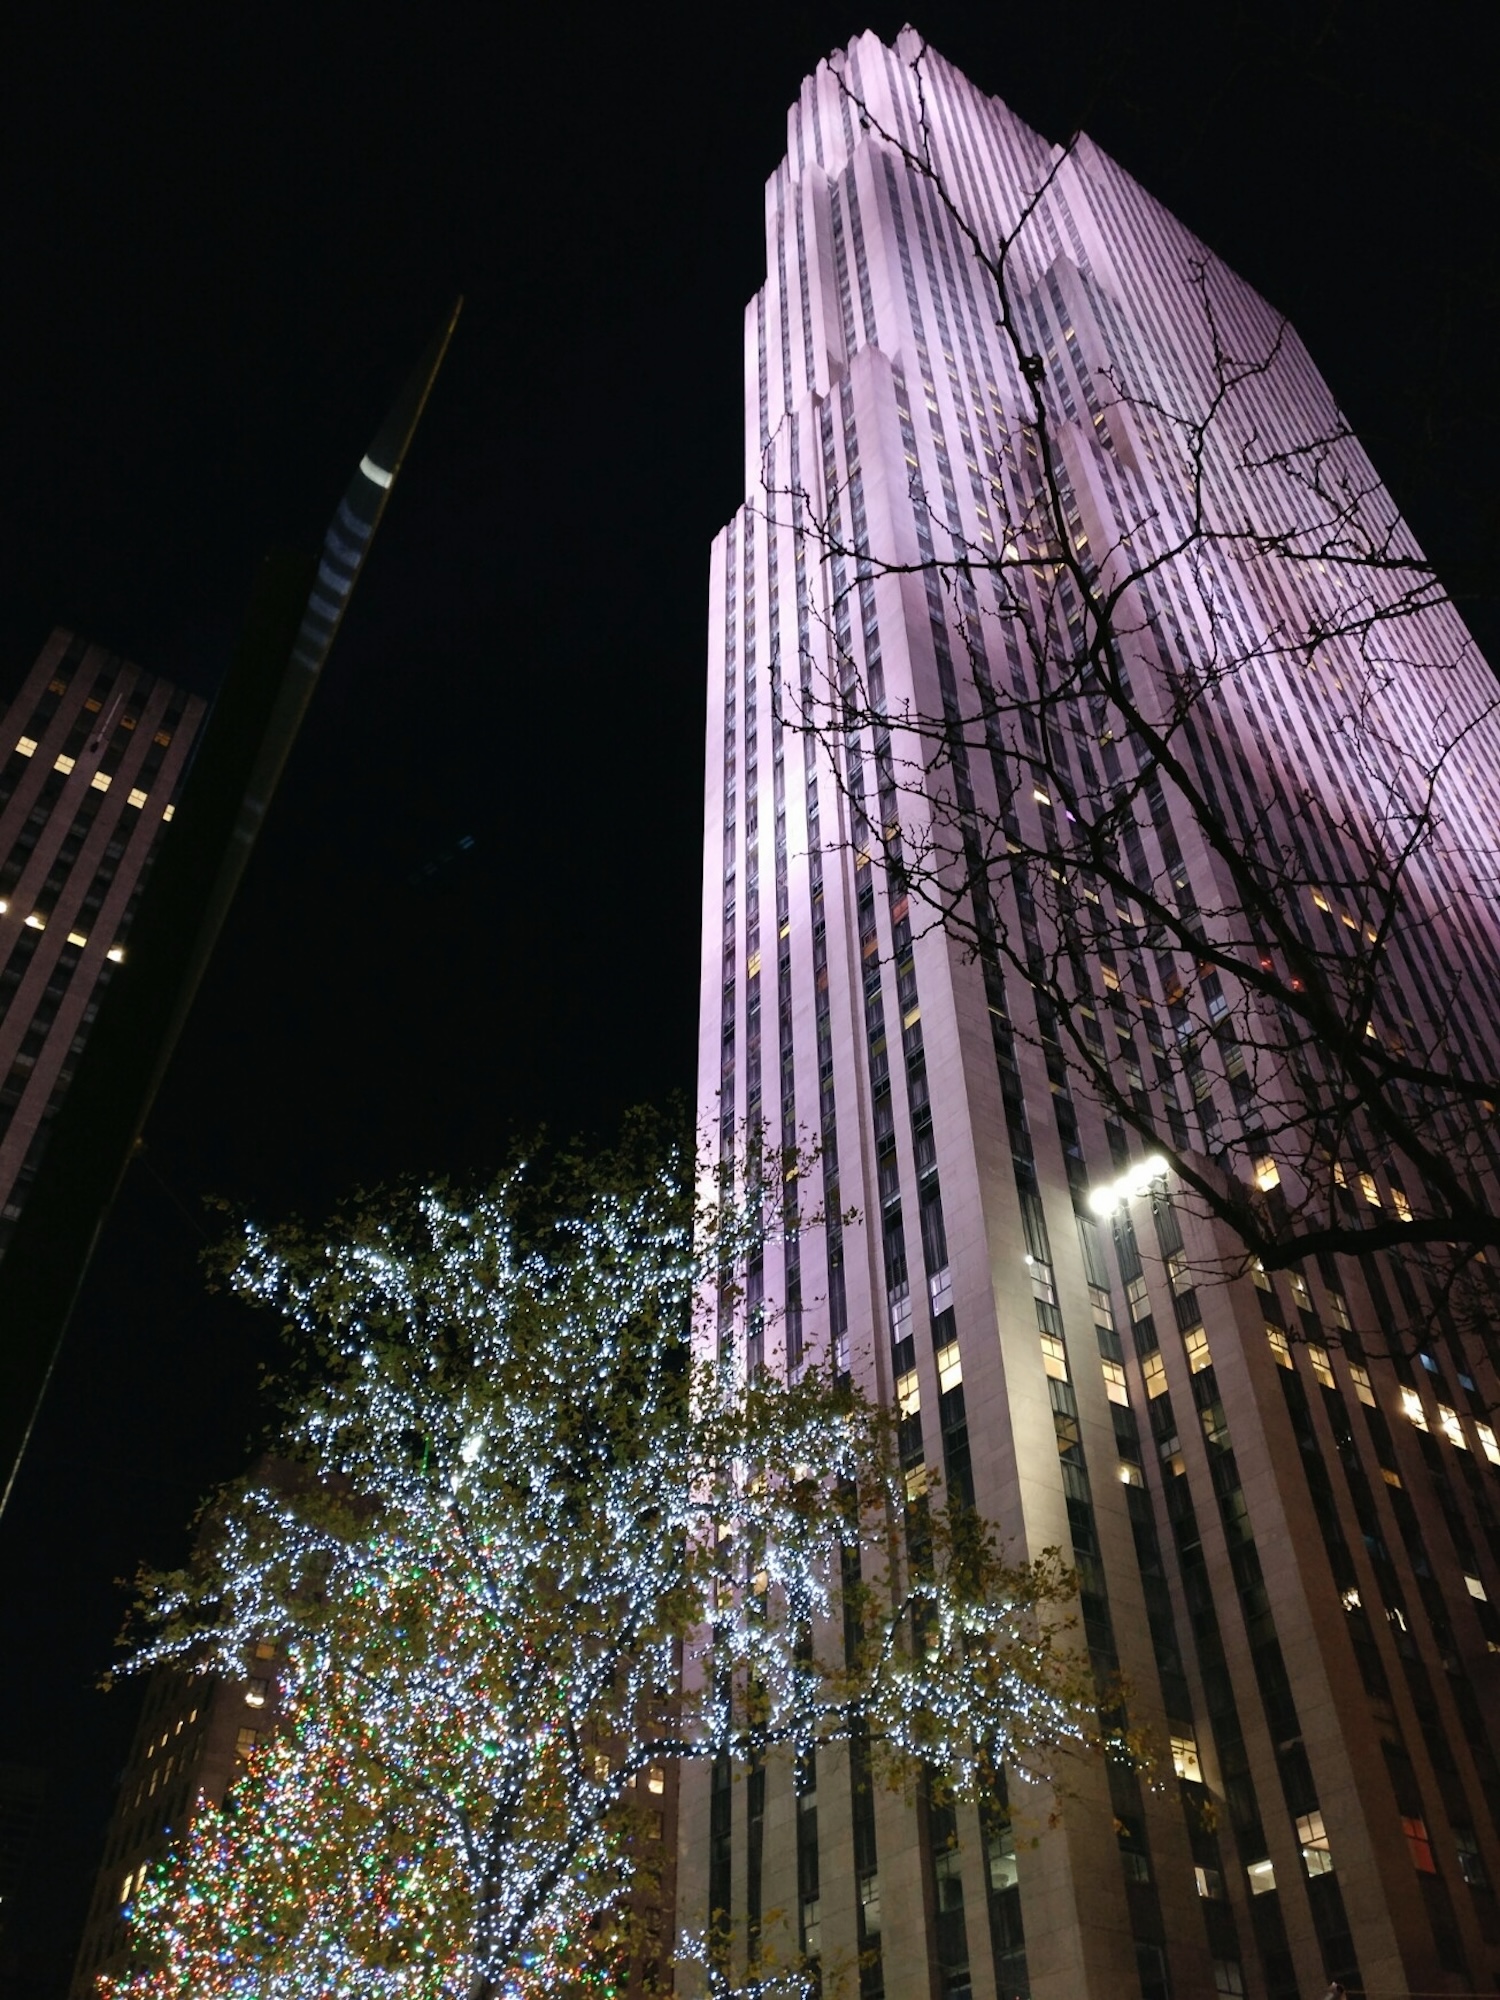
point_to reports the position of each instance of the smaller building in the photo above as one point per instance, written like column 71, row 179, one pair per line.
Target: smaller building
column 24, row 1841
column 195, row 1732
column 92, row 756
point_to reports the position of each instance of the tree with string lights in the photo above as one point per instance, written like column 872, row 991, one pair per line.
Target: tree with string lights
column 525, row 1554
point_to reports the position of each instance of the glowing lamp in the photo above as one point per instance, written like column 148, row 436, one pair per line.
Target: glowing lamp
column 1114, row 1194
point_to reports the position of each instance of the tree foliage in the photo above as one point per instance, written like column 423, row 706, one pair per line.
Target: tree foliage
column 524, row 1554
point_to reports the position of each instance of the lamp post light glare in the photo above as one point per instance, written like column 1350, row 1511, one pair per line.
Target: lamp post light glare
column 1141, row 1177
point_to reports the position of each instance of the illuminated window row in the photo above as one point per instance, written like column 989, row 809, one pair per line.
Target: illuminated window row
column 1450, row 1424
column 1350, row 923
column 101, row 780
column 1449, row 1421
column 37, row 922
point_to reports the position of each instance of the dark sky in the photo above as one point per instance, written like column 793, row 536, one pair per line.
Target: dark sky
column 227, row 234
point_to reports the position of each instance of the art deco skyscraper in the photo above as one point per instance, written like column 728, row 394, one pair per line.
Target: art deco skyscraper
column 92, row 751
column 1281, row 1504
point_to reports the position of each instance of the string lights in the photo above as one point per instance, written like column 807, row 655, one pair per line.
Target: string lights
column 521, row 1552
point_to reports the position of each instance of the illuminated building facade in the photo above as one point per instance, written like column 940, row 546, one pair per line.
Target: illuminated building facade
column 92, row 752
column 1286, row 1543
column 194, row 1734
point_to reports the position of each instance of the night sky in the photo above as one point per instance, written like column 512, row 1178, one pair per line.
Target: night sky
column 227, row 235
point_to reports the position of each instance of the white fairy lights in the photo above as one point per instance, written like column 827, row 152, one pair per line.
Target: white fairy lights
column 516, row 1505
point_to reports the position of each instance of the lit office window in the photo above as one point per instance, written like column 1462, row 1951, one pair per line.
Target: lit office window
column 1419, row 1845
column 1411, row 1406
column 1316, row 1858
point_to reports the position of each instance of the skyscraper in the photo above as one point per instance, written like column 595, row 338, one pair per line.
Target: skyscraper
column 92, row 751
column 1279, row 1487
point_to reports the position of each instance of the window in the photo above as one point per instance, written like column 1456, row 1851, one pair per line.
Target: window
column 245, row 1741
column 1488, row 1443
column 135, row 797
column 1114, row 1382
column 1316, row 1858
column 950, row 1367
column 1369, row 1190
column 1280, row 1346
column 1470, row 1860
column 1185, row 1759
column 1154, row 1374
column 100, row 781
column 1451, row 1428
column 1210, row 1884
column 1229, row 1977
column 1262, row 1877
column 1411, row 1406
column 255, row 1692
column 1195, row 1340
column 908, row 1394
column 1419, row 1845
column 1402, row 1205
column 1300, row 1292
column 602, row 1767
column 1360, row 1377
column 1338, row 1311
column 656, row 1779
column 1134, row 1856
column 1321, row 1365
column 27, row 746
column 1476, row 1588
column 1054, row 1357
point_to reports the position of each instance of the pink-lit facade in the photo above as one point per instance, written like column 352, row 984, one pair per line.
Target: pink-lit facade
column 1294, row 1574
column 92, row 753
